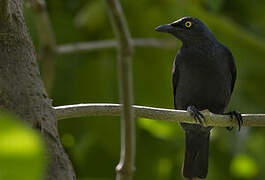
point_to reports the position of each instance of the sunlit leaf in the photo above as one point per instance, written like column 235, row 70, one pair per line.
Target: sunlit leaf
column 21, row 151
column 243, row 166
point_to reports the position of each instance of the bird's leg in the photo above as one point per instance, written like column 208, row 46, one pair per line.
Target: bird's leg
column 196, row 114
column 238, row 117
column 231, row 116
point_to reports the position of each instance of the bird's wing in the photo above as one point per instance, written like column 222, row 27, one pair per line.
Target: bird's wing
column 232, row 67
column 175, row 78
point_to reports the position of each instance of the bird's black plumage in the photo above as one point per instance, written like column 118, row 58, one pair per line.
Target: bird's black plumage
column 204, row 75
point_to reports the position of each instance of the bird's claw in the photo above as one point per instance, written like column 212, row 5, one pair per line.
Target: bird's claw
column 238, row 117
column 196, row 114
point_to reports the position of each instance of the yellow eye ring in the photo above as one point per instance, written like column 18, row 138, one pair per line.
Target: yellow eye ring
column 188, row 24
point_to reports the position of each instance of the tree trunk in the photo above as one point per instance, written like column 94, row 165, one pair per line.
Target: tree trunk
column 21, row 88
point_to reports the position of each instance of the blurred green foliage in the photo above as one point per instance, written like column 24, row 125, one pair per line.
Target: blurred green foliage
column 242, row 166
column 21, row 151
column 158, row 129
column 94, row 142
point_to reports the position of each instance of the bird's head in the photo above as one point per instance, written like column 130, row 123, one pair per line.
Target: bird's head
column 187, row 29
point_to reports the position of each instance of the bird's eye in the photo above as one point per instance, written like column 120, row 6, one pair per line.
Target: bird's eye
column 188, row 24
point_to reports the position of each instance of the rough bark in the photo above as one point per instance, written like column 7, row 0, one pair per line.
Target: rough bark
column 22, row 91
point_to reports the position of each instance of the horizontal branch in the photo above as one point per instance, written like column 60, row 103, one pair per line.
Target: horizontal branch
column 105, row 44
column 82, row 110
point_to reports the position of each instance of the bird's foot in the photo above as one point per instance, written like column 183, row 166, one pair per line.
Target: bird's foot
column 238, row 118
column 196, row 114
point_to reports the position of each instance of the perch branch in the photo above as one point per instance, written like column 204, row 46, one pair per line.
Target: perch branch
column 105, row 44
column 125, row 168
column 82, row 110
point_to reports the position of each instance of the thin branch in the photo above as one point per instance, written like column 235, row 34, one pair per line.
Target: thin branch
column 86, row 46
column 105, row 44
column 125, row 168
column 82, row 110
column 5, row 13
column 155, row 43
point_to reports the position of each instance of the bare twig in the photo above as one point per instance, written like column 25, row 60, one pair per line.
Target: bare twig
column 125, row 168
column 105, row 44
column 86, row 46
column 82, row 110
column 155, row 43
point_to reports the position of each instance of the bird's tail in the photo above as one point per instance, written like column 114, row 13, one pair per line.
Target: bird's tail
column 196, row 154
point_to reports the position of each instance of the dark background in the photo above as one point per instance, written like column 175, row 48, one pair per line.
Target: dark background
column 93, row 143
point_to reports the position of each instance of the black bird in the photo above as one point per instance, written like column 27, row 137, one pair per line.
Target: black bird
column 204, row 74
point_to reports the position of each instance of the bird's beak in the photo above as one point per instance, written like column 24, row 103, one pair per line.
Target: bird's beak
column 164, row 28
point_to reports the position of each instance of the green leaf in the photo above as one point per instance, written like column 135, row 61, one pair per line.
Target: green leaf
column 243, row 166
column 21, row 151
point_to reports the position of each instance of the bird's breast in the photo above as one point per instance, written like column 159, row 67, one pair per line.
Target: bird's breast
column 203, row 84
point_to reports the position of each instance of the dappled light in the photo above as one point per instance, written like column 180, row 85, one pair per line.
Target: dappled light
column 76, row 43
